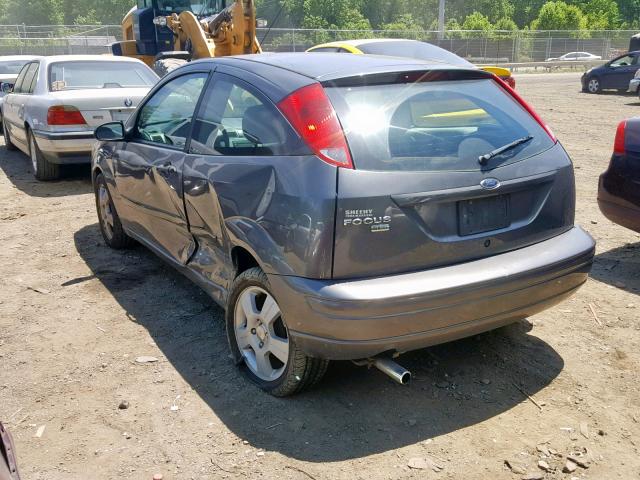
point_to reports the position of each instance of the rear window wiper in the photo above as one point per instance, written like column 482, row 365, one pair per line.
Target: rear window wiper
column 483, row 159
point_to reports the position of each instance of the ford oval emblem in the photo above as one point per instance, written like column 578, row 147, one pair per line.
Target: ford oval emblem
column 490, row 183
column 128, row 102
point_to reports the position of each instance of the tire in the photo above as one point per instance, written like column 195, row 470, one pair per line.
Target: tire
column 257, row 331
column 110, row 225
column 593, row 85
column 7, row 138
column 166, row 65
column 43, row 169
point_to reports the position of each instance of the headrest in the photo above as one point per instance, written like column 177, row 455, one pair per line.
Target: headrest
column 261, row 126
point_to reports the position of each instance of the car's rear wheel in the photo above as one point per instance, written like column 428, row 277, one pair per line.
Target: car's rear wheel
column 110, row 225
column 593, row 85
column 7, row 138
column 42, row 168
column 259, row 339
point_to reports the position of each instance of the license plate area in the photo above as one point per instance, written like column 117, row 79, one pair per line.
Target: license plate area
column 483, row 214
column 121, row 115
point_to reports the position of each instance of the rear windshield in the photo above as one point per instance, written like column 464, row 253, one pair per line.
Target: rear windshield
column 413, row 49
column 12, row 67
column 85, row 75
column 434, row 126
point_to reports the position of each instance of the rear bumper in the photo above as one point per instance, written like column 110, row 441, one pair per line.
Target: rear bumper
column 65, row 147
column 615, row 207
column 344, row 320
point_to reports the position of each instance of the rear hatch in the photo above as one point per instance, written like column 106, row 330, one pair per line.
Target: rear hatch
column 418, row 196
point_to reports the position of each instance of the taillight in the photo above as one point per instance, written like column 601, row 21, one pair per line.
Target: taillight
column 511, row 82
column 526, row 106
column 618, row 143
column 65, row 115
column 312, row 115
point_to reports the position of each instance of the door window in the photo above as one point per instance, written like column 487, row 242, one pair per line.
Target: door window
column 326, row 49
column 34, row 80
column 23, row 82
column 28, row 78
column 623, row 61
column 234, row 119
column 166, row 117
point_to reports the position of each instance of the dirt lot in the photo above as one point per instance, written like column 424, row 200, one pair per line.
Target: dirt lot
column 75, row 315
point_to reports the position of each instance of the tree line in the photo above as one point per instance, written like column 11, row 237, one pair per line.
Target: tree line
column 486, row 15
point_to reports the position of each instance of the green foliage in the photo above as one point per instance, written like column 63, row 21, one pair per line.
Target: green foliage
column 602, row 14
column 403, row 22
column 90, row 18
column 333, row 14
column 385, row 15
column 477, row 21
column 558, row 15
column 506, row 24
column 35, row 12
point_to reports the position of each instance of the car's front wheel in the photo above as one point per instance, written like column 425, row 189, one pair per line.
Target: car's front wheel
column 593, row 85
column 260, row 341
column 110, row 225
column 42, row 168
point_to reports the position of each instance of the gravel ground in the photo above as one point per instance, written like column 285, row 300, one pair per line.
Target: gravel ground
column 75, row 315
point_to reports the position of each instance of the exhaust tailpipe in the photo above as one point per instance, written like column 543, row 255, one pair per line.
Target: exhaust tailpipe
column 392, row 369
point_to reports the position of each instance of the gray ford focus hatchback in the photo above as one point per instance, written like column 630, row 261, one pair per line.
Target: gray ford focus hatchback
column 345, row 207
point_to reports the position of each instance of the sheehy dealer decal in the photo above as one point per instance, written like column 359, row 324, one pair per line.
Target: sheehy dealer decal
column 366, row 217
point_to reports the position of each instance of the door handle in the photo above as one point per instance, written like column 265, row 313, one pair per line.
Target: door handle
column 168, row 169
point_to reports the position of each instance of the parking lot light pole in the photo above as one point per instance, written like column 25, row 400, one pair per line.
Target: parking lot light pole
column 441, row 19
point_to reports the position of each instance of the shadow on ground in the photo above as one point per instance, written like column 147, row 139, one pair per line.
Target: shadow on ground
column 619, row 267
column 353, row 412
column 74, row 180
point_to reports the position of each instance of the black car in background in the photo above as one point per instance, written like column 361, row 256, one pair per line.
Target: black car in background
column 618, row 192
column 613, row 75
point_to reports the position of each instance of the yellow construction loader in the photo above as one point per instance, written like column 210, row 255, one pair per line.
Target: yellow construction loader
column 167, row 33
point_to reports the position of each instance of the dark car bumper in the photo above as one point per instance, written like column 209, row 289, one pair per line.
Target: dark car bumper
column 342, row 320
column 615, row 201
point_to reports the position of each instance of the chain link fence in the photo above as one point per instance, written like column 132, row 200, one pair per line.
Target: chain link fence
column 476, row 46
column 57, row 39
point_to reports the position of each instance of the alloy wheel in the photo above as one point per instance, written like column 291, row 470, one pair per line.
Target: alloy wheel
column 594, row 85
column 261, row 334
column 106, row 213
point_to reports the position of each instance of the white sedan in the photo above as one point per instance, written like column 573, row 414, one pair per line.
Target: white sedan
column 575, row 57
column 57, row 102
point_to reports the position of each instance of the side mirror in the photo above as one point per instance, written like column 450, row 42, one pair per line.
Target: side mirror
column 110, row 132
column 6, row 87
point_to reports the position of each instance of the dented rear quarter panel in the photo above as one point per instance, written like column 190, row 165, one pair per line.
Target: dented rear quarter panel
column 279, row 209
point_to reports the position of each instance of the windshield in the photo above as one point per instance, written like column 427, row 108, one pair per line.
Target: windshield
column 98, row 74
column 413, row 49
column 434, row 126
column 200, row 8
column 12, row 67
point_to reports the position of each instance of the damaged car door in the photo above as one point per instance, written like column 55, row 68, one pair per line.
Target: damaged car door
column 148, row 171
